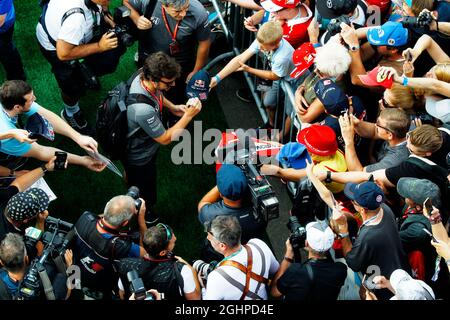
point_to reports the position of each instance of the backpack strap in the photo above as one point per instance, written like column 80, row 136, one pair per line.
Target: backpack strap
column 237, row 284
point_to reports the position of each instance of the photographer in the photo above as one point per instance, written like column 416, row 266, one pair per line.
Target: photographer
column 318, row 278
column 161, row 269
column 245, row 271
column 101, row 240
column 231, row 197
column 13, row 257
column 71, row 30
column 145, row 126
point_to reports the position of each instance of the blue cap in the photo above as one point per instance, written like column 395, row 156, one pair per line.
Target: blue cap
column 198, row 85
column 391, row 34
column 334, row 100
column 293, row 155
column 367, row 194
column 38, row 126
column 231, row 182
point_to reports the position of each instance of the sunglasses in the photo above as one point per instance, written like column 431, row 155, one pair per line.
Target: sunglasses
column 385, row 104
column 168, row 83
column 168, row 232
column 387, row 129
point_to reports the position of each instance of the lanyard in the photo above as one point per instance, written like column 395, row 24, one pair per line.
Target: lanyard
column 230, row 256
column 365, row 223
column 158, row 99
column 174, row 34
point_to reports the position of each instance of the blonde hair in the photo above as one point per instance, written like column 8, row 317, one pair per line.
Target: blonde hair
column 442, row 71
column 418, row 5
column 401, row 97
column 270, row 33
column 426, row 138
column 333, row 59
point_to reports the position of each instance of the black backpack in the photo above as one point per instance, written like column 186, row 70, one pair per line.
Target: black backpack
column 307, row 204
column 112, row 124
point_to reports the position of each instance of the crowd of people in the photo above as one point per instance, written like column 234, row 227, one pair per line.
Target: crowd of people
column 372, row 94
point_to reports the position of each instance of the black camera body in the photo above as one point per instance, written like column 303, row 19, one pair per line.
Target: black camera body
column 123, row 29
column 334, row 26
column 56, row 239
column 204, row 269
column 297, row 237
column 423, row 20
column 137, row 287
column 134, row 193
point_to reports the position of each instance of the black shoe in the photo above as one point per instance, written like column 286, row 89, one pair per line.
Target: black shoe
column 77, row 122
column 245, row 95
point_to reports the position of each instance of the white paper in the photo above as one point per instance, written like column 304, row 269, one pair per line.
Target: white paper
column 42, row 184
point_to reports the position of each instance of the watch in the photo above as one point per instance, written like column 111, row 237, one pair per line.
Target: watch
column 328, row 178
column 354, row 48
column 44, row 168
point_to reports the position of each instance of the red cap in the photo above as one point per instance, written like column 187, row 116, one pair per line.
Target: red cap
column 319, row 140
column 373, row 79
column 303, row 58
column 277, row 5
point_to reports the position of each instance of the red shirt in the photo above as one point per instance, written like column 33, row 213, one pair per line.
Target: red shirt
column 295, row 30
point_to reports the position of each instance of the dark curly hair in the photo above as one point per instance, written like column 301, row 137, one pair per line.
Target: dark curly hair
column 159, row 65
column 13, row 93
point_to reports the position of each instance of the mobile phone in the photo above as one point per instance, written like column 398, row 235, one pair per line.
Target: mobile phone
column 430, row 234
column 60, row 161
column 408, row 56
column 427, row 204
column 33, row 135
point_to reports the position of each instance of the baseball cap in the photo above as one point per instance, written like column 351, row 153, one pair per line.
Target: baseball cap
column 367, row 194
column 438, row 108
column 418, row 190
column 319, row 235
column 407, row 288
column 334, row 8
column 27, row 204
column 231, row 182
column 198, row 85
column 293, row 155
column 303, row 58
column 277, row 5
column 319, row 140
column 38, row 126
column 332, row 97
column 375, row 79
column 389, row 34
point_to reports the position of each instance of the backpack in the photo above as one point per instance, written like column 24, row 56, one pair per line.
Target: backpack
column 307, row 204
column 112, row 123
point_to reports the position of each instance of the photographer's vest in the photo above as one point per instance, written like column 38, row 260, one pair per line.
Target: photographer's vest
column 163, row 275
column 95, row 254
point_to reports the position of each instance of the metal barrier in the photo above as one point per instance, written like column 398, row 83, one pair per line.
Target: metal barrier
column 231, row 19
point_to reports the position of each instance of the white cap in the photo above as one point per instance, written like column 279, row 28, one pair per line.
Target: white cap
column 407, row 288
column 277, row 5
column 438, row 108
column 319, row 235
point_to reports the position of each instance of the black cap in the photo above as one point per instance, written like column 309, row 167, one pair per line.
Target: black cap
column 330, row 9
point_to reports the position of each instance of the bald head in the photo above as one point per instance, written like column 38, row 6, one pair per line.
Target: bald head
column 118, row 210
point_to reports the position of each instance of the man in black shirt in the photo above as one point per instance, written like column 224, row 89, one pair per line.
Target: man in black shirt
column 377, row 250
column 319, row 278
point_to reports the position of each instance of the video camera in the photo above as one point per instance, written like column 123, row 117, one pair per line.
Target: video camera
column 424, row 19
column 137, row 287
column 56, row 239
column 264, row 199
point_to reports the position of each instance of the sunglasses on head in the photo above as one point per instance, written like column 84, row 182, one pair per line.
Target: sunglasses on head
column 168, row 232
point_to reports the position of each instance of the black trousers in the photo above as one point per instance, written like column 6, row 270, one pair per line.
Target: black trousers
column 143, row 177
column 10, row 57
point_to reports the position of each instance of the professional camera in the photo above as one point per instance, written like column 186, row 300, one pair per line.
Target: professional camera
column 297, row 237
column 134, row 193
column 56, row 239
column 137, row 287
column 424, row 19
column 264, row 199
column 334, row 26
column 123, row 28
column 204, row 269
column 88, row 76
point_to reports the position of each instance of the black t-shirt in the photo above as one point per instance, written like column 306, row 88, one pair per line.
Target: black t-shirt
column 378, row 249
column 328, row 278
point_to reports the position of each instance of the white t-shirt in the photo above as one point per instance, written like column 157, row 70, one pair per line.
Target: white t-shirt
column 218, row 288
column 188, row 280
column 76, row 29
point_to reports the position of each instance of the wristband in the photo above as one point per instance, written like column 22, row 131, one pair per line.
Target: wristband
column 217, row 77
column 405, row 81
column 317, row 45
column 288, row 259
column 44, row 169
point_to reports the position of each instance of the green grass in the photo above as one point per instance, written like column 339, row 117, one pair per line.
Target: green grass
column 78, row 189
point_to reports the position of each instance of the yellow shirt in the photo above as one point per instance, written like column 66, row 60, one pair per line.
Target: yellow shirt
column 334, row 164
